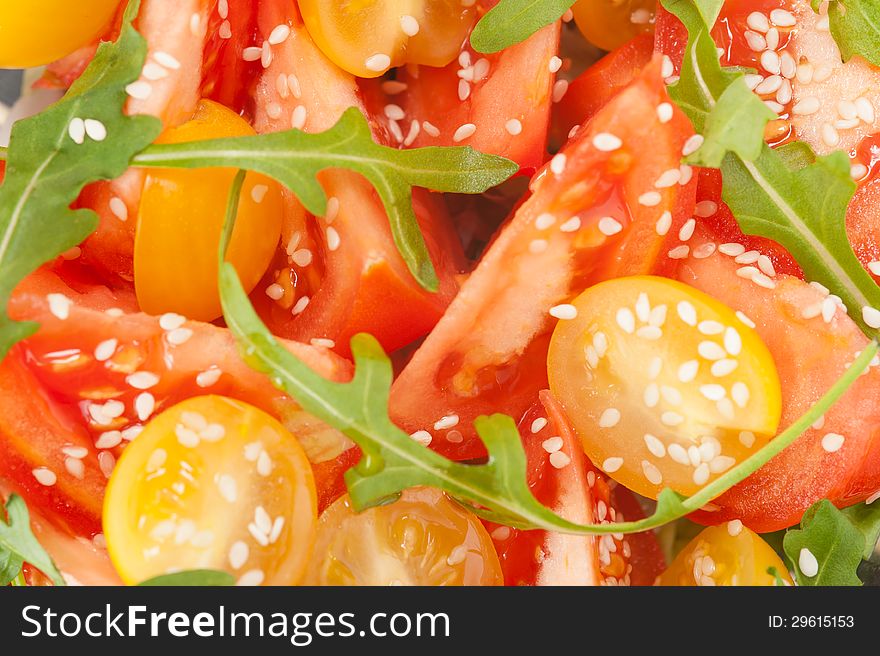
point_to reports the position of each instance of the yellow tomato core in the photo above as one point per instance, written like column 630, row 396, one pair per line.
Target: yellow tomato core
column 421, row 539
column 728, row 554
column 212, row 483
column 665, row 385
column 181, row 217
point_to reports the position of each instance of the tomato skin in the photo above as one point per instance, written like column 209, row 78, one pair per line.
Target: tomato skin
column 810, row 356
column 597, row 85
column 46, row 399
column 518, row 86
column 608, row 24
column 488, row 352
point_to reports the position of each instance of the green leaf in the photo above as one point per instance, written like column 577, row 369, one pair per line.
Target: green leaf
column 855, row 26
column 10, row 566
column 192, row 578
column 779, row 582
column 46, row 169
column 392, row 461
column 866, row 518
column 513, row 21
column 787, row 195
column 294, row 158
column 837, row 545
column 735, row 125
column 17, row 539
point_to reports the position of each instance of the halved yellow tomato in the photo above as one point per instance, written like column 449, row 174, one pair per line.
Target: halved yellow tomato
column 212, row 483
column 367, row 37
column 421, row 539
column 609, row 24
column 37, row 32
column 728, row 554
column 666, row 386
column 181, row 217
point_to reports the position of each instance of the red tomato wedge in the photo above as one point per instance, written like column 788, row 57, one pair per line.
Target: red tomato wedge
column 175, row 33
column 340, row 274
column 73, row 394
column 488, row 352
column 562, row 478
column 496, row 103
column 597, row 85
column 839, row 458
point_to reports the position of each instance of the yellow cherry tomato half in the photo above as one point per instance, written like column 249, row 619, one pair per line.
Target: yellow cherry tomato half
column 728, row 554
column 212, row 483
column 609, row 24
column 37, row 32
column 421, row 539
column 367, row 37
column 181, row 217
column 666, row 386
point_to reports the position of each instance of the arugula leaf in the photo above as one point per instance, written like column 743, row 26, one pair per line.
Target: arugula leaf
column 294, row 158
column 392, row 461
column 10, row 566
column 866, row 518
column 855, row 26
column 779, row 582
column 192, row 578
column 513, row 21
column 788, row 194
column 826, row 535
column 46, row 168
column 17, row 539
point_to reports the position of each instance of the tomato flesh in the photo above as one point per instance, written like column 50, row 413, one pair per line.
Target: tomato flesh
column 609, row 24
column 726, row 555
column 212, row 483
column 423, row 538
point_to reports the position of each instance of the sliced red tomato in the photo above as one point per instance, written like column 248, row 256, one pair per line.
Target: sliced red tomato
column 593, row 214
column 497, row 103
column 562, row 478
column 340, row 274
column 837, row 459
column 73, row 394
column 593, row 88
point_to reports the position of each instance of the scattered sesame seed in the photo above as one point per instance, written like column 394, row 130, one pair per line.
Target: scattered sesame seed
column 807, row 563
column 559, row 460
column 464, row 132
column 560, row 88
column 609, row 226
column 664, row 112
column 513, row 126
column 606, row 142
column 611, row 465
column 105, row 350
column 208, row 377
column 447, row 421
column 692, row 145
column 564, row 311
column 552, row 444
column 609, row 418
column 59, row 305
column 139, row 90
column 142, row 380
column 832, row 442
column 651, row 473
column 422, row 437
column 409, row 25
column 557, row 164
column 650, row 199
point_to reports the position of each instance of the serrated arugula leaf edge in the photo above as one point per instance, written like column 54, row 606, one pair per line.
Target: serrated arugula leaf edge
column 16, row 537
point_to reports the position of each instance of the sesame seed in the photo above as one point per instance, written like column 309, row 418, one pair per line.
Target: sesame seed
column 650, row 199
column 610, row 418
column 871, row 499
column 559, row 460
column 725, row 367
column 106, row 349
column 77, row 130
column 701, row 474
column 409, row 25
column 710, row 350
column 664, row 223
column 664, row 112
column 464, row 132
column 678, row 454
column 44, row 476
column 378, row 62
column 96, row 130
column 783, row 18
column 692, row 145
column 266, row 55
column 832, row 442
column 153, row 71
column 807, row 563
column 422, row 437
column 279, row 34
column 225, row 30
column 609, row 226
column 252, row 577
column 208, row 377
column 300, row 305
column 740, row 394
column 572, row 225
column 612, row 464
column 557, row 164
column 538, row 245
column 871, row 316
column 447, row 421
column 144, row 404
column 513, row 126
column 538, row 425
column 706, row 208
column 651, row 397
column 109, row 439
column 139, row 90
column 687, row 230
column 275, row 291
column 322, row 342
column 59, row 305
column 758, row 21
column 118, row 208
column 626, row 320
column 560, row 88
column 430, row 129
column 830, row 136
column 251, row 54
column 142, row 380
column 606, row 142
column 655, row 446
column 667, row 68
column 651, row 473
column 179, row 336
column 713, row 392
column 333, row 239
column 552, row 444
column 302, row 257
column 744, row 319
column 564, row 311
column 670, row 418
column 106, row 462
